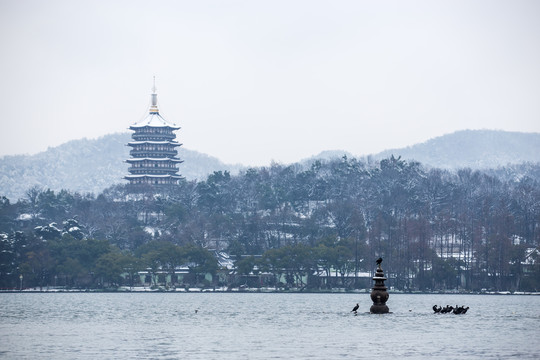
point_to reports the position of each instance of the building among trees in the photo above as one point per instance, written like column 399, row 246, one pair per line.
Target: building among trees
column 153, row 155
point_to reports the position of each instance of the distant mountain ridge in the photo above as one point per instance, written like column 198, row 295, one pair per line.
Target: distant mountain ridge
column 93, row 165
column 477, row 149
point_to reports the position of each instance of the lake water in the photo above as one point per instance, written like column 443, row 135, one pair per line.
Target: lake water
column 264, row 326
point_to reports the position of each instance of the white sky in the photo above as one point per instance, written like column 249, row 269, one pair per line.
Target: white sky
column 258, row 81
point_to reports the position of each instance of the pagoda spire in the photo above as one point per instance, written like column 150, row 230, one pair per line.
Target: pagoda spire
column 153, row 106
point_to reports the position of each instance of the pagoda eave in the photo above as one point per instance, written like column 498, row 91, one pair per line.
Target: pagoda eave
column 175, row 160
column 153, row 120
column 149, row 142
column 128, row 177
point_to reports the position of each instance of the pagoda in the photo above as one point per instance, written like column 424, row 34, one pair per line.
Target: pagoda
column 153, row 155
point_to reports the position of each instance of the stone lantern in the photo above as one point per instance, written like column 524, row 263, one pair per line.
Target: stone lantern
column 379, row 295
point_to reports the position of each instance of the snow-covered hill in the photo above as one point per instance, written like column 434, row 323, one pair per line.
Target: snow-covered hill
column 476, row 149
column 88, row 166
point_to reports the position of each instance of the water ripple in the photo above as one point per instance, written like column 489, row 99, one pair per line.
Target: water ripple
column 264, row 326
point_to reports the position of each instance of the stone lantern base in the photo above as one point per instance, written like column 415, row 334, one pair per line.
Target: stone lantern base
column 379, row 295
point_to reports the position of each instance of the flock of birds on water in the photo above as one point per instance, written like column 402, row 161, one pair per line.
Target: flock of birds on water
column 458, row 310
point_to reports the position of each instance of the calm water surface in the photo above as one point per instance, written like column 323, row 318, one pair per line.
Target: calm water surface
column 264, row 326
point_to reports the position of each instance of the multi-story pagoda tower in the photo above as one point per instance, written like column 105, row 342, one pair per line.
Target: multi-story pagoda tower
column 153, row 154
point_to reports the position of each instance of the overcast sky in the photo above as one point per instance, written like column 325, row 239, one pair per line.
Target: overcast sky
column 258, row 81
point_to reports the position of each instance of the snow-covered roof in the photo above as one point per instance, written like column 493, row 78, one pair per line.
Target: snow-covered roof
column 154, row 120
column 224, row 260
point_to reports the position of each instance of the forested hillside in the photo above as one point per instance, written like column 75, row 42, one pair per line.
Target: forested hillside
column 435, row 229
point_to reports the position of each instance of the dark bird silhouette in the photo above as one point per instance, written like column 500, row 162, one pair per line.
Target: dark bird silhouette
column 437, row 309
column 447, row 309
column 355, row 308
column 379, row 261
column 464, row 309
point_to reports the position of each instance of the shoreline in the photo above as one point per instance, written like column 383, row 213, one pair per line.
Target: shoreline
column 257, row 291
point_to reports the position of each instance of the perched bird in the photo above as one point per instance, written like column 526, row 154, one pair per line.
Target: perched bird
column 464, row 310
column 437, row 309
column 355, row 308
column 379, row 261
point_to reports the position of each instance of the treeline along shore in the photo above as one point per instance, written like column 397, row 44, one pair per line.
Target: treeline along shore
column 313, row 228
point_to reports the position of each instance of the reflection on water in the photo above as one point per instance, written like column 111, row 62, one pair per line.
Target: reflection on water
column 264, row 326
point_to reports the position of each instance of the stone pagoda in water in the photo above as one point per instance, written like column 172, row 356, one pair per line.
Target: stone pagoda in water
column 379, row 294
column 153, row 155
